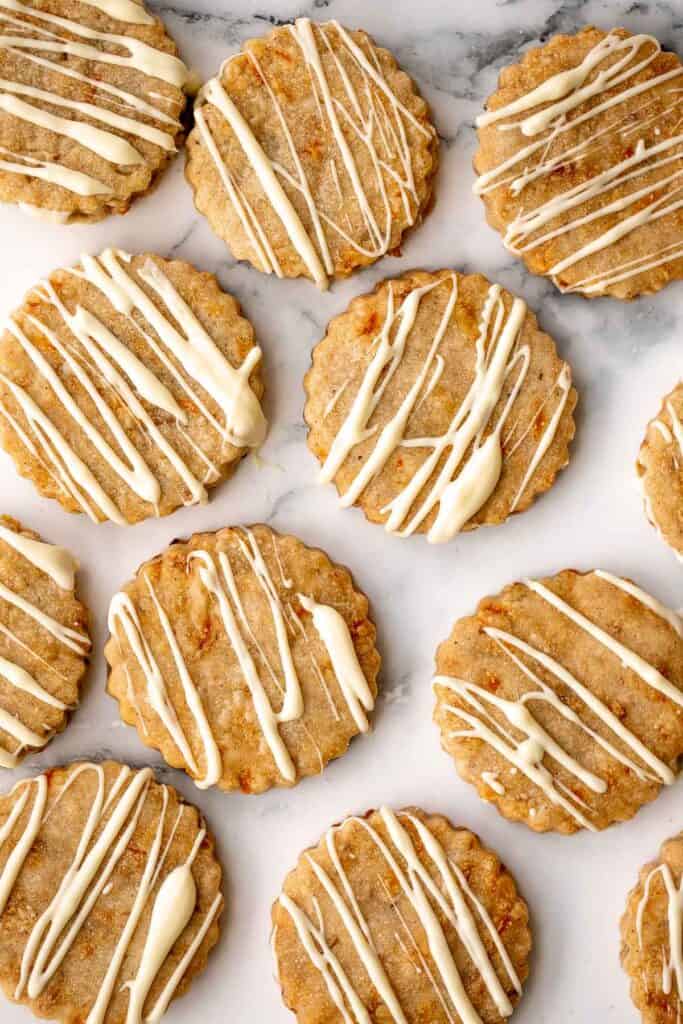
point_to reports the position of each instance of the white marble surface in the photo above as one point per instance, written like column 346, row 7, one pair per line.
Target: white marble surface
column 624, row 356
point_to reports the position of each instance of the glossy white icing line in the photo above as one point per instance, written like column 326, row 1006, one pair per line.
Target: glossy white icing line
column 527, row 753
column 672, row 967
column 464, row 482
column 130, row 11
column 71, row 638
column 20, row 679
column 57, row 563
column 110, row 825
column 46, row 170
column 375, row 119
column 109, row 360
column 657, row 197
column 418, row 885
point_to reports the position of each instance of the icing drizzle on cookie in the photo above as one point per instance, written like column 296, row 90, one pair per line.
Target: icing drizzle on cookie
column 111, row 377
column 462, row 466
column 367, row 110
column 641, row 188
column 511, row 730
column 110, row 825
column 672, row 961
column 216, row 574
column 37, row 39
column 672, row 436
column 60, row 566
column 427, row 878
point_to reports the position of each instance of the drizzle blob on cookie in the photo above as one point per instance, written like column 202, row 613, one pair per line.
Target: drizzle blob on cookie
column 398, row 423
column 579, row 169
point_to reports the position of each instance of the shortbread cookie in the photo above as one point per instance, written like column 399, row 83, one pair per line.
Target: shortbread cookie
column 400, row 917
column 651, row 937
column 128, row 385
column 312, row 152
column 245, row 657
column 438, row 405
column 44, row 641
column 660, row 470
column 109, row 894
column 578, row 163
column 561, row 700
column 91, row 95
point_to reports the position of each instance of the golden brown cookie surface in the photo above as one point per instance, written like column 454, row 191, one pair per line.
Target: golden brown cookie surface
column 579, row 163
column 90, row 105
column 437, row 404
column 247, row 658
column 128, row 386
column 650, row 937
column 109, row 894
column 312, row 152
column 44, row 641
column 400, row 916
column 561, row 700
column 660, row 470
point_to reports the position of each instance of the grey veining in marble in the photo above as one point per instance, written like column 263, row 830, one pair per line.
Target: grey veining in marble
column 625, row 358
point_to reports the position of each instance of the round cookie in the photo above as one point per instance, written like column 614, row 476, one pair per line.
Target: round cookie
column 578, row 163
column 109, row 894
column 650, row 937
column 245, row 657
column 400, row 916
column 660, row 470
column 438, row 405
column 91, row 96
column 312, row 152
column 128, row 385
column 44, row 642
column 561, row 700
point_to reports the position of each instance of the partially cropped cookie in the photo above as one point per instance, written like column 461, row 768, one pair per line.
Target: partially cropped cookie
column 400, row 916
column 245, row 657
column 129, row 385
column 660, row 470
column 44, row 642
column 561, row 700
column 312, row 152
column 109, row 894
column 91, row 96
column 651, row 937
column 578, row 163
column 437, row 404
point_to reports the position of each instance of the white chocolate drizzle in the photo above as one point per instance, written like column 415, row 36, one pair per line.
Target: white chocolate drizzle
column 672, row 437
column 106, row 368
column 649, row 168
column 60, row 566
column 109, row 828
column 672, row 961
column 428, row 880
column 216, row 574
column 511, row 730
column 462, row 467
column 369, row 112
column 35, row 37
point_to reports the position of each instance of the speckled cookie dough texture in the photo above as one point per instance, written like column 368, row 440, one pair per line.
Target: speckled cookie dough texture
column 561, row 700
column 129, row 385
column 651, row 937
column 312, row 152
column 245, row 657
column 660, row 470
column 400, row 916
column 44, row 642
column 91, row 94
column 109, row 894
column 579, row 163
column 436, row 404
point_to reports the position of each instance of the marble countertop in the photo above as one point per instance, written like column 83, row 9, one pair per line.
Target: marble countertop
column 625, row 357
